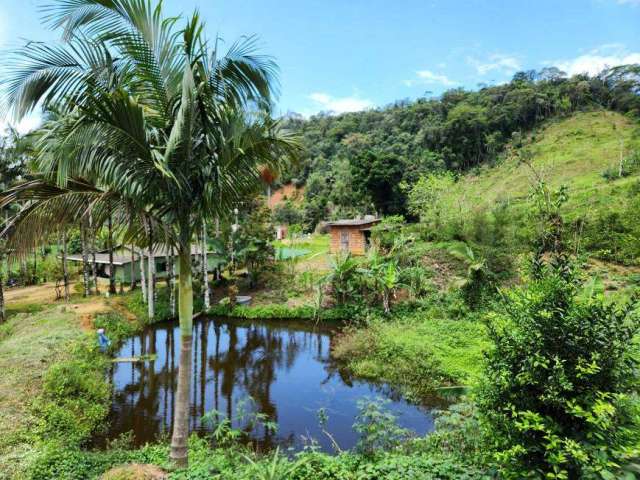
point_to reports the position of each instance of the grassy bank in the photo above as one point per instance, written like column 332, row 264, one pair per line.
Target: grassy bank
column 419, row 351
column 29, row 344
column 385, row 453
column 281, row 312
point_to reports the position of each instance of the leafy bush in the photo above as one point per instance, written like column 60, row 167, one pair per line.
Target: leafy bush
column 75, row 396
column 377, row 427
column 343, row 278
column 282, row 312
column 559, row 389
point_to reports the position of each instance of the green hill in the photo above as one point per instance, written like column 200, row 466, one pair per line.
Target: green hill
column 574, row 151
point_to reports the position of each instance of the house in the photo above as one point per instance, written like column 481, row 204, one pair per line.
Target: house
column 351, row 236
column 282, row 232
column 127, row 263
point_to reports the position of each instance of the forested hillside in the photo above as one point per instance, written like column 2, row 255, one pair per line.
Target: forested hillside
column 368, row 161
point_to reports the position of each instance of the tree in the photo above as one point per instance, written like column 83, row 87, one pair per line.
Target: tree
column 287, row 213
column 254, row 249
column 560, row 381
column 166, row 126
column 428, row 198
column 378, row 176
column 3, row 316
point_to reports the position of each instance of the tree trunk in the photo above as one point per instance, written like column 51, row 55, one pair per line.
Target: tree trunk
column 24, row 272
column 205, row 269
column 94, row 267
column 85, row 260
column 179, row 453
column 143, row 282
column 34, row 278
column 3, row 316
column 386, row 297
column 151, row 283
column 65, row 271
column 171, row 271
column 112, row 273
column 133, row 269
column 217, row 236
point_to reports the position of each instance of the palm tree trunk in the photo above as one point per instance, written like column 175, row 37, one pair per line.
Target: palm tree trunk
column 94, row 267
column 205, row 269
column 24, row 273
column 151, row 284
column 34, row 277
column 85, row 260
column 3, row 316
column 217, row 236
column 179, row 453
column 171, row 271
column 65, row 271
column 133, row 269
column 112, row 273
column 143, row 282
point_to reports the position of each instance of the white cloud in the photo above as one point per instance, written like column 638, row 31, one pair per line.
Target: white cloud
column 629, row 2
column 27, row 124
column 500, row 63
column 338, row 105
column 598, row 59
column 428, row 77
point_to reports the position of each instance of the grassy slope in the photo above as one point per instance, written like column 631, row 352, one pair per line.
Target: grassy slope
column 572, row 151
column 29, row 343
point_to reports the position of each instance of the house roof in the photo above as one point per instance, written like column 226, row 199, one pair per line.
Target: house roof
column 101, row 258
column 356, row 222
column 119, row 259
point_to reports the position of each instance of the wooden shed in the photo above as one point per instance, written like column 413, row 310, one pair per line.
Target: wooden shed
column 351, row 236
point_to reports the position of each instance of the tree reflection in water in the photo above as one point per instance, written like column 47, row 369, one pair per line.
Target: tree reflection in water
column 285, row 367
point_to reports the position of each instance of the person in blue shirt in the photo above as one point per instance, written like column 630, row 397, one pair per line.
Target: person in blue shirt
column 103, row 340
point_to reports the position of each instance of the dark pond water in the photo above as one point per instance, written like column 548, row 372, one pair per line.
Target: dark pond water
column 281, row 369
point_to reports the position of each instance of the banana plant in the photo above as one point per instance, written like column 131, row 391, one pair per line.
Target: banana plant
column 383, row 274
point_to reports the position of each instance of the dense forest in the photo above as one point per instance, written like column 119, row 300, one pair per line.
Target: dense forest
column 365, row 162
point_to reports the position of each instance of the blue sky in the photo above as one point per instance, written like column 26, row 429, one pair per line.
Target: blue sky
column 346, row 55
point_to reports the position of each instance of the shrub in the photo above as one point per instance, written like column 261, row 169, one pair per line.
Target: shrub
column 377, row 427
column 558, row 389
column 75, row 396
column 282, row 312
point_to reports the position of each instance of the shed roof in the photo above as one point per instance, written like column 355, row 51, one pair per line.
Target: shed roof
column 356, row 222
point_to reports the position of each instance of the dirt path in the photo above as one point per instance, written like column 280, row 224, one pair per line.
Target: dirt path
column 45, row 295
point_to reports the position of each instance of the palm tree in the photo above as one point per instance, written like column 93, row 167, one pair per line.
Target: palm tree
column 155, row 118
column 3, row 315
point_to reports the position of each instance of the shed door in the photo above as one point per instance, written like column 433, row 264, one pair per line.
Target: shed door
column 344, row 240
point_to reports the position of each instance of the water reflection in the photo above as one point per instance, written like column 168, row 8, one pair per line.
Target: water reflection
column 286, row 368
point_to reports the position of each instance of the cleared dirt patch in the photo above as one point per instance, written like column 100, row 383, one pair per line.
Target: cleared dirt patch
column 135, row 471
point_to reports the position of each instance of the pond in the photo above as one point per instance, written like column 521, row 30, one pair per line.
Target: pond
column 281, row 369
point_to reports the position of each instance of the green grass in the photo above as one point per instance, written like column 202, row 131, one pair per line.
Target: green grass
column 314, row 244
column 31, row 344
column 574, row 151
column 417, row 352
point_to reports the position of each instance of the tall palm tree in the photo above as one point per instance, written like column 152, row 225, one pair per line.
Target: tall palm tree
column 155, row 118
